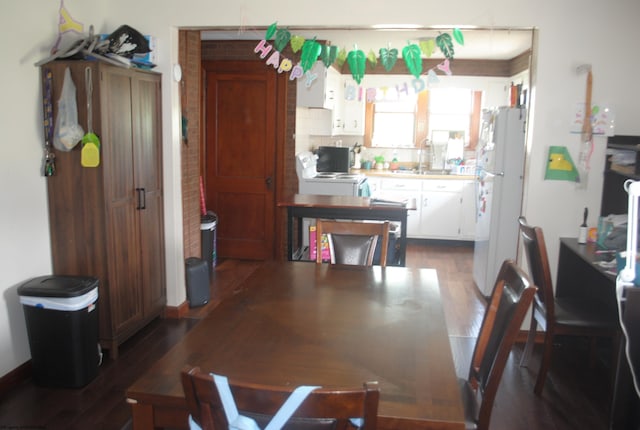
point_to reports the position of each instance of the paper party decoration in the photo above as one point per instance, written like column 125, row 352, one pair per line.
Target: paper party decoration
column 357, row 63
column 445, row 44
column 388, row 58
column 413, row 60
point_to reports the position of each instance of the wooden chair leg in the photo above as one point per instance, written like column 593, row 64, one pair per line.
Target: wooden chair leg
column 531, row 341
column 545, row 363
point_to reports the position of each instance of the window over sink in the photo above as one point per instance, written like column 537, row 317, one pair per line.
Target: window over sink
column 410, row 121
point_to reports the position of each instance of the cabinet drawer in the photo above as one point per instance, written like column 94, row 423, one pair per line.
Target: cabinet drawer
column 400, row 184
column 442, row 185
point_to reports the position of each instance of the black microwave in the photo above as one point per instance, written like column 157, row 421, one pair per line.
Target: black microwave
column 333, row 159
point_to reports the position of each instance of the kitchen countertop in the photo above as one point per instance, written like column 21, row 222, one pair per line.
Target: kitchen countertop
column 409, row 175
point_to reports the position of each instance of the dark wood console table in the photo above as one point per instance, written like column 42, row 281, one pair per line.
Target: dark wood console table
column 342, row 207
column 579, row 274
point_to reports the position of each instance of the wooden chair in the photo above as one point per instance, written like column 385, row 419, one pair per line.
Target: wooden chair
column 322, row 409
column 353, row 242
column 558, row 316
column 509, row 302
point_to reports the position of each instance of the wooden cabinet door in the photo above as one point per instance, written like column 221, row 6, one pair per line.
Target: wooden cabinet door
column 121, row 199
column 147, row 135
column 241, row 111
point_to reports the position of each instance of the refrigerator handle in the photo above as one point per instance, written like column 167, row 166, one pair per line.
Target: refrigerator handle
column 487, row 173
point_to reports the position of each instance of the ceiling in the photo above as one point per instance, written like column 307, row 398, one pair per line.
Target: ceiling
column 488, row 44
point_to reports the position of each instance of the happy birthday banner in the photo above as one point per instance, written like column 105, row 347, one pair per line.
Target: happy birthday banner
column 311, row 50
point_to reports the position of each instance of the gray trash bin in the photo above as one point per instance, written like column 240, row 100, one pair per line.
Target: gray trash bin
column 62, row 324
column 208, row 225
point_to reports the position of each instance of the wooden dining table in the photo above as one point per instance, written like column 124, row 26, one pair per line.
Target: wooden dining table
column 296, row 324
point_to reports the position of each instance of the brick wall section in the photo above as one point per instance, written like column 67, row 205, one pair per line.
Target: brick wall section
column 189, row 57
column 191, row 52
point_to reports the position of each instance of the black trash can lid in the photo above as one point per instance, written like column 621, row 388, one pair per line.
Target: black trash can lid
column 57, row 286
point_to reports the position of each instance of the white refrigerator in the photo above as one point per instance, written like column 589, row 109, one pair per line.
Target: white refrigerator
column 499, row 181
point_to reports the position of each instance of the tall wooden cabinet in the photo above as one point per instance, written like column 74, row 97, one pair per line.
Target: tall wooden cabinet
column 108, row 221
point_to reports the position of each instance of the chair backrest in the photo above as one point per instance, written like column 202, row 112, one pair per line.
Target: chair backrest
column 353, row 242
column 322, row 409
column 511, row 297
column 535, row 252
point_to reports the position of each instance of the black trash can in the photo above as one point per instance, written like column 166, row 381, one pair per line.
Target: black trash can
column 62, row 324
column 208, row 224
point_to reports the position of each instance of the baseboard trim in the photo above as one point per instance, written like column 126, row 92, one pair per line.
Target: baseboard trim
column 177, row 312
column 14, row 378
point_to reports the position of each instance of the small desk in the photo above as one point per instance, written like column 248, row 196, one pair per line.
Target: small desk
column 330, row 325
column 578, row 275
column 343, row 207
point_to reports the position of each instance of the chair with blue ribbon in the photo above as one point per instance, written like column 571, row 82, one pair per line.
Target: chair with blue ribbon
column 214, row 402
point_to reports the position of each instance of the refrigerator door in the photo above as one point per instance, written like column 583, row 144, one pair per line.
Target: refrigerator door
column 500, row 158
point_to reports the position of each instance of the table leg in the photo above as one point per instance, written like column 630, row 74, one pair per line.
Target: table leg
column 289, row 234
column 142, row 415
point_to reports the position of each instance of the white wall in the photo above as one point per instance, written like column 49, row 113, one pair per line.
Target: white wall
column 572, row 32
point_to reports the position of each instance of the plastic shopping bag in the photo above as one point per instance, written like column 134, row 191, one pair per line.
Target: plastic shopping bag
column 68, row 133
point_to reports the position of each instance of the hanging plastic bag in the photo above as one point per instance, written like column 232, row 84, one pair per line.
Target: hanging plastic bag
column 68, row 133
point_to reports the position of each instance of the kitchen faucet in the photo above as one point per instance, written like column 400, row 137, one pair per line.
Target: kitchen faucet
column 421, row 150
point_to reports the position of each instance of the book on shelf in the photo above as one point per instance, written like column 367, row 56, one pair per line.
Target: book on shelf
column 326, row 254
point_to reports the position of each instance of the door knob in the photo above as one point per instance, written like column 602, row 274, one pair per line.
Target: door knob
column 268, row 181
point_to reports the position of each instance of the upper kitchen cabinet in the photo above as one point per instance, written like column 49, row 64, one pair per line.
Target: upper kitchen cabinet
column 353, row 107
column 107, row 221
column 318, row 88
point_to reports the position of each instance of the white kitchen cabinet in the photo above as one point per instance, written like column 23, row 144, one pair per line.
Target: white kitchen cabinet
column 445, row 208
column 320, row 92
column 337, row 113
column 353, row 106
column 468, row 222
column 398, row 189
column 441, row 209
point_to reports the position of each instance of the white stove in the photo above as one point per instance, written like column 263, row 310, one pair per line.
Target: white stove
column 311, row 181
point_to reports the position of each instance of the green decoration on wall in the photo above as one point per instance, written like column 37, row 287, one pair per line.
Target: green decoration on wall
column 388, row 58
column 271, row 31
column 328, row 55
column 445, row 44
column 282, row 39
column 428, row 47
column 413, row 60
column 342, row 57
column 560, row 166
column 357, row 64
column 458, row 36
column 371, row 58
column 310, row 52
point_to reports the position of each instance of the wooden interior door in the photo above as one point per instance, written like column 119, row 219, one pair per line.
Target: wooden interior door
column 240, row 146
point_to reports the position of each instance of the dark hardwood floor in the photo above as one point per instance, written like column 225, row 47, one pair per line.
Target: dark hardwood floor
column 574, row 396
